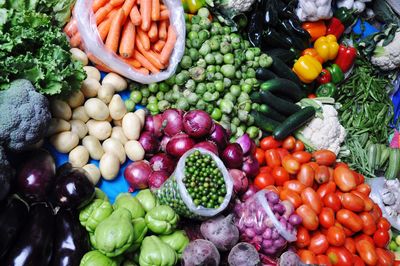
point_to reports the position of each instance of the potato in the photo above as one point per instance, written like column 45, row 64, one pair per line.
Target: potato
column 118, row 82
column 60, row 109
column 109, row 166
column 79, row 156
column 114, row 146
column 57, row 125
column 131, row 126
column 134, row 150
column 65, row 141
column 93, row 173
column 141, row 114
column 79, row 127
column 79, row 113
column 79, row 55
column 106, row 92
column 92, row 72
column 99, row 129
column 92, row 144
column 76, row 99
column 90, row 87
column 118, row 134
column 117, row 107
column 96, row 109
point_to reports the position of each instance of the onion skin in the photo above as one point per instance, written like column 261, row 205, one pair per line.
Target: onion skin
column 149, row 142
column 162, row 162
column 247, row 144
column 164, row 142
column 207, row 145
column 172, row 120
column 153, row 124
column 219, row 136
column 137, row 174
column 240, row 181
column 252, row 190
column 250, row 166
column 179, row 144
column 232, row 156
column 157, row 179
column 197, row 123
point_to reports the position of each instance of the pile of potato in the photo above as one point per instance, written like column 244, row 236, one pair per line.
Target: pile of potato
column 94, row 123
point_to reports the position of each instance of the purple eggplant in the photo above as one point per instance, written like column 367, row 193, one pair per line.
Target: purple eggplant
column 70, row 240
column 35, row 242
column 12, row 218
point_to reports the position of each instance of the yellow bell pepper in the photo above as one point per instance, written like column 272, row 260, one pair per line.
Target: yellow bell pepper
column 327, row 47
column 307, row 68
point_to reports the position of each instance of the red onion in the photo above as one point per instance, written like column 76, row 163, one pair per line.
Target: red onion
column 247, row 144
column 207, row 145
column 197, row 123
column 179, row 144
column 172, row 120
column 157, row 178
column 164, row 142
column 232, row 156
column 162, row 162
column 153, row 124
column 149, row 142
column 240, row 181
column 137, row 174
column 219, row 136
column 250, row 166
column 252, row 190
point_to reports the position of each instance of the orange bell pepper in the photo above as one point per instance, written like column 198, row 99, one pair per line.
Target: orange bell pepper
column 313, row 53
column 316, row 29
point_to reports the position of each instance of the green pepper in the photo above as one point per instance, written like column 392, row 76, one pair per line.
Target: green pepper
column 94, row 213
column 178, row 241
column 127, row 201
column 345, row 15
column 326, row 90
column 154, row 252
column 162, row 220
column 336, row 74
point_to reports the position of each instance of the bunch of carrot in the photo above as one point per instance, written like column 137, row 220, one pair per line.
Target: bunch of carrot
column 138, row 31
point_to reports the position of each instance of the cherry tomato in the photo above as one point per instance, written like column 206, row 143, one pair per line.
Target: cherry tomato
column 311, row 96
column 350, row 220
column 302, row 156
column 369, row 226
column 337, row 164
column 360, row 237
column 339, row 256
column 326, row 217
column 323, row 260
column 344, row 179
column 352, row 202
column 367, row 252
column 260, row 157
column 299, row 146
column 270, row 143
column 324, row 157
column 294, row 185
column 368, row 203
column 312, row 199
column 347, row 231
column 282, row 152
column 291, row 196
column 318, row 244
column 306, row 175
column 314, row 165
column 384, row 224
column 263, row 179
column 330, row 173
column 361, row 178
column 307, row 256
column 303, row 237
column 381, row 238
column 385, row 257
column 289, row 143
column 265, row 169
column 336, row 236
column 357, row 261
column 291, row 165
column 309, row 217
column 332, row 201
column 376, row 212
column 272, row 158
column 280, row 175
column 350, row 245
column 322, row 174
column 326, row 189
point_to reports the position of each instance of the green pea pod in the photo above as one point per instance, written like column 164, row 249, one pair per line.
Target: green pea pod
column 94, row 213
column 96, row 258
column 162, row 220
column 154, row 252
column 336, row 73
column 326, row 90
column 127, row 201
column 178, row 240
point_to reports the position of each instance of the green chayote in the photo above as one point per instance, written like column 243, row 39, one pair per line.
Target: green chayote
column 94, row 213
column 154, row 252
column 96, row 258
column 178, row 241
column 162, row 220
column 129, row 263
column 125, row 200
column 115, row 234
column 147, row 199
column 99, row 194
column 139, row 232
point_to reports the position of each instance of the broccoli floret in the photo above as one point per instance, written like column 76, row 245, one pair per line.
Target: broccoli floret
column 24, row 116
column 6, row 173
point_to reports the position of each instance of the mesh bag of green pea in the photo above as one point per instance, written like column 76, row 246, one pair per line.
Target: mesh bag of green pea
column 200, row 186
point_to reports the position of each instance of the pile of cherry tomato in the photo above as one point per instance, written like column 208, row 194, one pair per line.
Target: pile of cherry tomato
column 341, row 225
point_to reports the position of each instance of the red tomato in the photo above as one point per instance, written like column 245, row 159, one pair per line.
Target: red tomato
column 361, row 178
column 309, row 217
column 311, row 198
column 337, row 164
column 291, row 196
column 260, row 157
column 336, row 236
column 264, row 169
column 311, row 96
column 306, row 175
column 376, row 212
column 350, row 245
column 381, row 238
column 326, row 217
column 289, row 143
column 263, row 179
column 324, row 157
column 303, row 237
column 272, row 188
column 294, row 185
column 323, row 260
column 344, row 179
column 291, row 165
column 322, row 174
column 318, row 244
column 367, row 252
column 368, row 203
column 270, row 143
column 348, row 232
column 280, row 175
column 307, row 256
column 299, row 146
column 357, row 261
column 384, row 224
column 272, row 158
column 352, row 202
column 326, row 188
column 369, row 226
column 385, row 257
column 360, row 237
column 349, row 219
column 339, row 256
column 302, row 156
column 332, row 201
column 314, row 165
column 282, row 152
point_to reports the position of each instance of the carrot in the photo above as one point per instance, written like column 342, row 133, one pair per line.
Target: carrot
column 112, row 41
column 75, row 40
column 112, row 13
column 133, row 62
column 103, row 68
column 142, row 70
column 102, row 13
column 143, row 60
column 145, row 11
column 117, row 2
column 135, row 16
column 97, row 4
column 162, row 30
column 163, row 7
column 144, row 39
column 155, row 10
column 104, row 28
column 158, row 46
column 153, row 32
column 127, row 44
column 71, row 28
column 169, row 45
column 127, row 6
column 152, row 57
column 164, row 15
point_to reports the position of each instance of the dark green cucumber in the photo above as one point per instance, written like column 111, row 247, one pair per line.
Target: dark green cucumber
column 255, row 97
column 393, row 170
column 282, row 106
column 294, row 122
column 266, row 124
column 264, row 74
column 286, row 56
column 283, row 86
column 283, row 71
column 270, row 112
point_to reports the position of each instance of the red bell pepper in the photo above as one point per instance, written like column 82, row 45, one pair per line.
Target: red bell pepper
column 335, row 27
column 345, row 57
column 324, row 77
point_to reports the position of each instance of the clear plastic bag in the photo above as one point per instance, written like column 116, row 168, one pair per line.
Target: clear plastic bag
column 173, row 192
column 93, row 45
column 263, row 221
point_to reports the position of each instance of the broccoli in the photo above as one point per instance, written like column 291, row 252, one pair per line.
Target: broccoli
column 6, row 173
column 24, row 116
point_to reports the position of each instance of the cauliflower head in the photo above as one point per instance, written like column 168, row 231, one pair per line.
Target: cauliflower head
column 387, row 57
column 314, row 10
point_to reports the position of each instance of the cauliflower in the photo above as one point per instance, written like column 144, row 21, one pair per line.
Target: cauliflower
column 357, row 5
column 387, row 57
column 314, row 10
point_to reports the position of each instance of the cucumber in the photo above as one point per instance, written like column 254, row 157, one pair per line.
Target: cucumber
column 255, row 97
column 263, row 122
column 283, row 71
column 378, row 156
column 384, row 155
column 393, row 169
column 294, row 122
column 286, row 56
column 265, row 74
column 282, row 106
column 270, row 112
column 372, row 154
column 283, row 86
